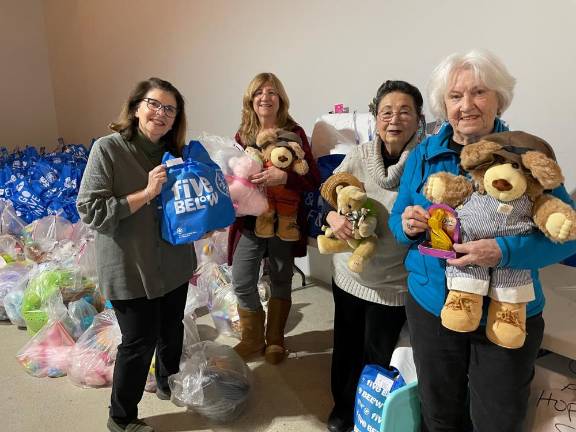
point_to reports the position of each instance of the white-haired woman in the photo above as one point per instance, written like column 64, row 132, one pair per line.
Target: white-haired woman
column 469, row 91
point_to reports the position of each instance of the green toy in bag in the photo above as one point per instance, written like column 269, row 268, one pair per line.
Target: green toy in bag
column 40, row 288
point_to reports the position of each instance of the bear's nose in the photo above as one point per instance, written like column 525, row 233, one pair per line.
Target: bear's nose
column 282, row 158
column 501, row 185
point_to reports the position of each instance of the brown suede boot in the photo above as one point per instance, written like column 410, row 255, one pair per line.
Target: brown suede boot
column 265, row 225
column 288, row 229
column 506, row 324
column 278, row 310
column 252, row 341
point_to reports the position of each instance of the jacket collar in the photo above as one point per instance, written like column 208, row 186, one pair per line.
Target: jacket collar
column 439, row 142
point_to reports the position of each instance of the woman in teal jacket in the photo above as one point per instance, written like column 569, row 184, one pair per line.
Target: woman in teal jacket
column 470, row 91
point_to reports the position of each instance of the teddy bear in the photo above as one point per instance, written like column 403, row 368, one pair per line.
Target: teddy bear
column 283, row 150
column 346, row 194
column 505, row 197
column 247, row 197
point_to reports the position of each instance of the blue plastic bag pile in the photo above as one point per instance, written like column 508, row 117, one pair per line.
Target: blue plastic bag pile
column 42, row 184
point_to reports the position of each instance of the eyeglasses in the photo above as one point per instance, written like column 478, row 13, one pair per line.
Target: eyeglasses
column 387, row 116
column 154, row 105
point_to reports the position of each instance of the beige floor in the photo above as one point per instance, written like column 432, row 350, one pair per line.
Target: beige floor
column 293, row 396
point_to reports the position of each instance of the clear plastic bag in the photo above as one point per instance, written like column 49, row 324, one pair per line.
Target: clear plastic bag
column 42, row 236
column 214, row 382
column 11, row 248
column 13, row 277
column 10, row 223
column 48, row 352
column 222, row 301
column 82, row 314
column 94, row 355
column 45, row 281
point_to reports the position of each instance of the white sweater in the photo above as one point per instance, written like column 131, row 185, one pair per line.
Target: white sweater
column 384, row 277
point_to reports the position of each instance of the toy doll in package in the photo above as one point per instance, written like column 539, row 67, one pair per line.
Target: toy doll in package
column 443, row 232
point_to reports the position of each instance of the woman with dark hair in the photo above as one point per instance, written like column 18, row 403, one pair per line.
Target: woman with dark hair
column 265, row 106
column 144, row 277
column 369, row 306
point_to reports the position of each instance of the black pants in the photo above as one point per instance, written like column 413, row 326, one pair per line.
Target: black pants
column 450, row 364
column 146, row 325
column 364, row 333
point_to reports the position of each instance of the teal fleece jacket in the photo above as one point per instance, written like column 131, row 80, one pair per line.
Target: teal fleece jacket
column 426, row 275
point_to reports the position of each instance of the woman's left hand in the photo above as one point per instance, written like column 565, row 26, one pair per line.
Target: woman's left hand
column 271, row 176
column 483, row 253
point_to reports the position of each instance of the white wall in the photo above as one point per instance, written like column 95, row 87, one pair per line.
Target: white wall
column 325, row 52
column 27, row 114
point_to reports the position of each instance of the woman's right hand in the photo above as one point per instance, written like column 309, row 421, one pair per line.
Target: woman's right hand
column 341, row 227
column 414, row 220
column 156, row 179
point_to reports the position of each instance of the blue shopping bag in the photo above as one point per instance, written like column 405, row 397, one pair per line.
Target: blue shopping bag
column 313, row 203
column 195, row 199
column 374, row 386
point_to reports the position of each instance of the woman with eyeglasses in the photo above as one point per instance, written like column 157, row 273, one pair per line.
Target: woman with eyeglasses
column 144, row 277
column 265, row 106
column 469, row 92
column 369, row 306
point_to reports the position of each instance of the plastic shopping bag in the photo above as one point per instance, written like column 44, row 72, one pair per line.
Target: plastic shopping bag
column 195, row 200
column 374, row 386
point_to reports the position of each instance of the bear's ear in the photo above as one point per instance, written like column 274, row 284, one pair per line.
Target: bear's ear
column 339, row 188
column 297, row 150
column 266, row 137
column 545, row 170
column 478, row 155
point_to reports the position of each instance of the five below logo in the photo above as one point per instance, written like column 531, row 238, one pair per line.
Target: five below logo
column 192, row 194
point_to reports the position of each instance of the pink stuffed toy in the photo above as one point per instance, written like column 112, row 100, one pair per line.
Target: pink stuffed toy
column 247, row 197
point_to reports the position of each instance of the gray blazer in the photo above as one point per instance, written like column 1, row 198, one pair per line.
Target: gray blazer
column 132, row 258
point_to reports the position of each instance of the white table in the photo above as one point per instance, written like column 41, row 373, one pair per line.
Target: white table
column 559, row 284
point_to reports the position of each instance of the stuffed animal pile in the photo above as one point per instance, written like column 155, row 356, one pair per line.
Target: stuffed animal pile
column 510, row 172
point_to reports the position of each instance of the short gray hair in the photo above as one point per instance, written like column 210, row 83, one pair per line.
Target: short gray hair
column 487, row 68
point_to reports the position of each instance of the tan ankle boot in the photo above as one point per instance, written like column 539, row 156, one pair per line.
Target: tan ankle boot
column 252, row 341
column 278, row 310
column 506, row 324
column 288, row 229
column 265, row 225
column 462, row 311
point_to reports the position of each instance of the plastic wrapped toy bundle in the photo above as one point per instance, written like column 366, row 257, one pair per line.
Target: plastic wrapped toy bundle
column 11, row 249
column 43, row 236
column 82, row 315
column 94, row 355
column 238, row 167
column 46, row 281
column 10, row 223
column 48, row 352
column 214, row 382
column 222, row 302
column 13, row 277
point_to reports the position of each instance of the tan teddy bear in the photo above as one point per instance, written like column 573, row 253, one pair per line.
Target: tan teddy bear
column 346, row 194
column 510, row 172
column 282, row 149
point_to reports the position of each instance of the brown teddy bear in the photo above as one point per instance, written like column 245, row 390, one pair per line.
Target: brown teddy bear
column 282, row 149
column 346, row 194
column 510, row 172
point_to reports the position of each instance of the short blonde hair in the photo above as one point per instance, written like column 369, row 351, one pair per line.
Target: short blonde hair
column 250, row 124
column 487, row 68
